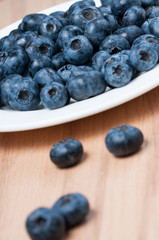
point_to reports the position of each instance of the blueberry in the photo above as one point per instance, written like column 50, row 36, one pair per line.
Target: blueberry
column 45, row 224
column 79, row 4
column 16, row 33
column 105, row 9
column 24, row 39
column 54, row 95
column 114, row 22
column 143, row 56
column 124, row 140
column 58, row 61
column 117, row 74
column 130, row 33
column 65, row 72
column 145, row 26
column 148, row 3
column 31, row 21
column 106, row 3
column 37, row 63
column 99, row 59
column 13, row 61
column 6, row 87
column 24, row 94
column 7, row 43
column 50, row 27
column 119, row 7
column 114, row 44
column 66, row 33
column 80, row 70
column 40, row 46
column 96, row 31
column 154, row 26
column 81, row 17
column 62, row 17
column 78, row 50
column 135, row 15
column 73, row 207
column 152, row 12
column 85, row 85
column 148, row 38
column 66, row 153
column 46, row 75
column 122, row 56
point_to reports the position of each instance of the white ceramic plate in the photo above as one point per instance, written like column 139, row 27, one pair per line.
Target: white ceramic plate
column 11, row 120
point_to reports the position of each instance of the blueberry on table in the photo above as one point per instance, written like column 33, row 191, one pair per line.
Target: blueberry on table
column 66, row 33
column 135, row 15
column 40, row 46
column 73, row 207
column 37, row 63
column 54, row 95
column 78, row 50
column 45, row 224
column 66, row 153
column 143, row 56
column 124, row 140
column 96, row 31
column 13, row 61
column 117, row 74
column 114, row 44
column 80, row 17
column 50, row 27
column 31, row 21
column 45, row 76
column 86, row 85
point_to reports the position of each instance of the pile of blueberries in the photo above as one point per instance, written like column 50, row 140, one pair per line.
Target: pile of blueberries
column 77, row 54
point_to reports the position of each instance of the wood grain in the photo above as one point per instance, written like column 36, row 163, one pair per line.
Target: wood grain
column 123, row 193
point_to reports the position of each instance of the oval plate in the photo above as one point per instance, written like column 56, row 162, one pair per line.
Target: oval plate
column 11, row 120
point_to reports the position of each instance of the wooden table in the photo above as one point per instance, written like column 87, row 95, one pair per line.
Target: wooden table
column 123, row 193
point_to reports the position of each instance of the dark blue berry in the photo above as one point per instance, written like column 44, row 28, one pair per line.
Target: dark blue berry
column 73, row 207
column 130, row 33
column 58, row 61
column 119, row 7
column 66, row 153
column 78, row 50
column 45, row 76
column 54, row 95
column 24, row 39
column 24, row 94
column 62, row 17
column 40, row 46
column 79, row 5
column 16, row 33
column 99, row 59
column 66, row 33
column 81, row 17
column 45, row 224
column 65, row 72
column 7, row 43
column 148, row 3
column 117, row 73
column 96, row 31
column 124, row 140
column 135, row 15
column 145, row 26
column 114, row 22
column 13, row 61
column 50, row 27
column 114, row 44
column 105, row 9
column 154, row 26
column 37, row 63
column 86, row 85
column 152, row 12
column 31, row 21
column 143, row 56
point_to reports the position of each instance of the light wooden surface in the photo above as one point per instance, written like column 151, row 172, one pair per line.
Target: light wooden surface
column 123, row 193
